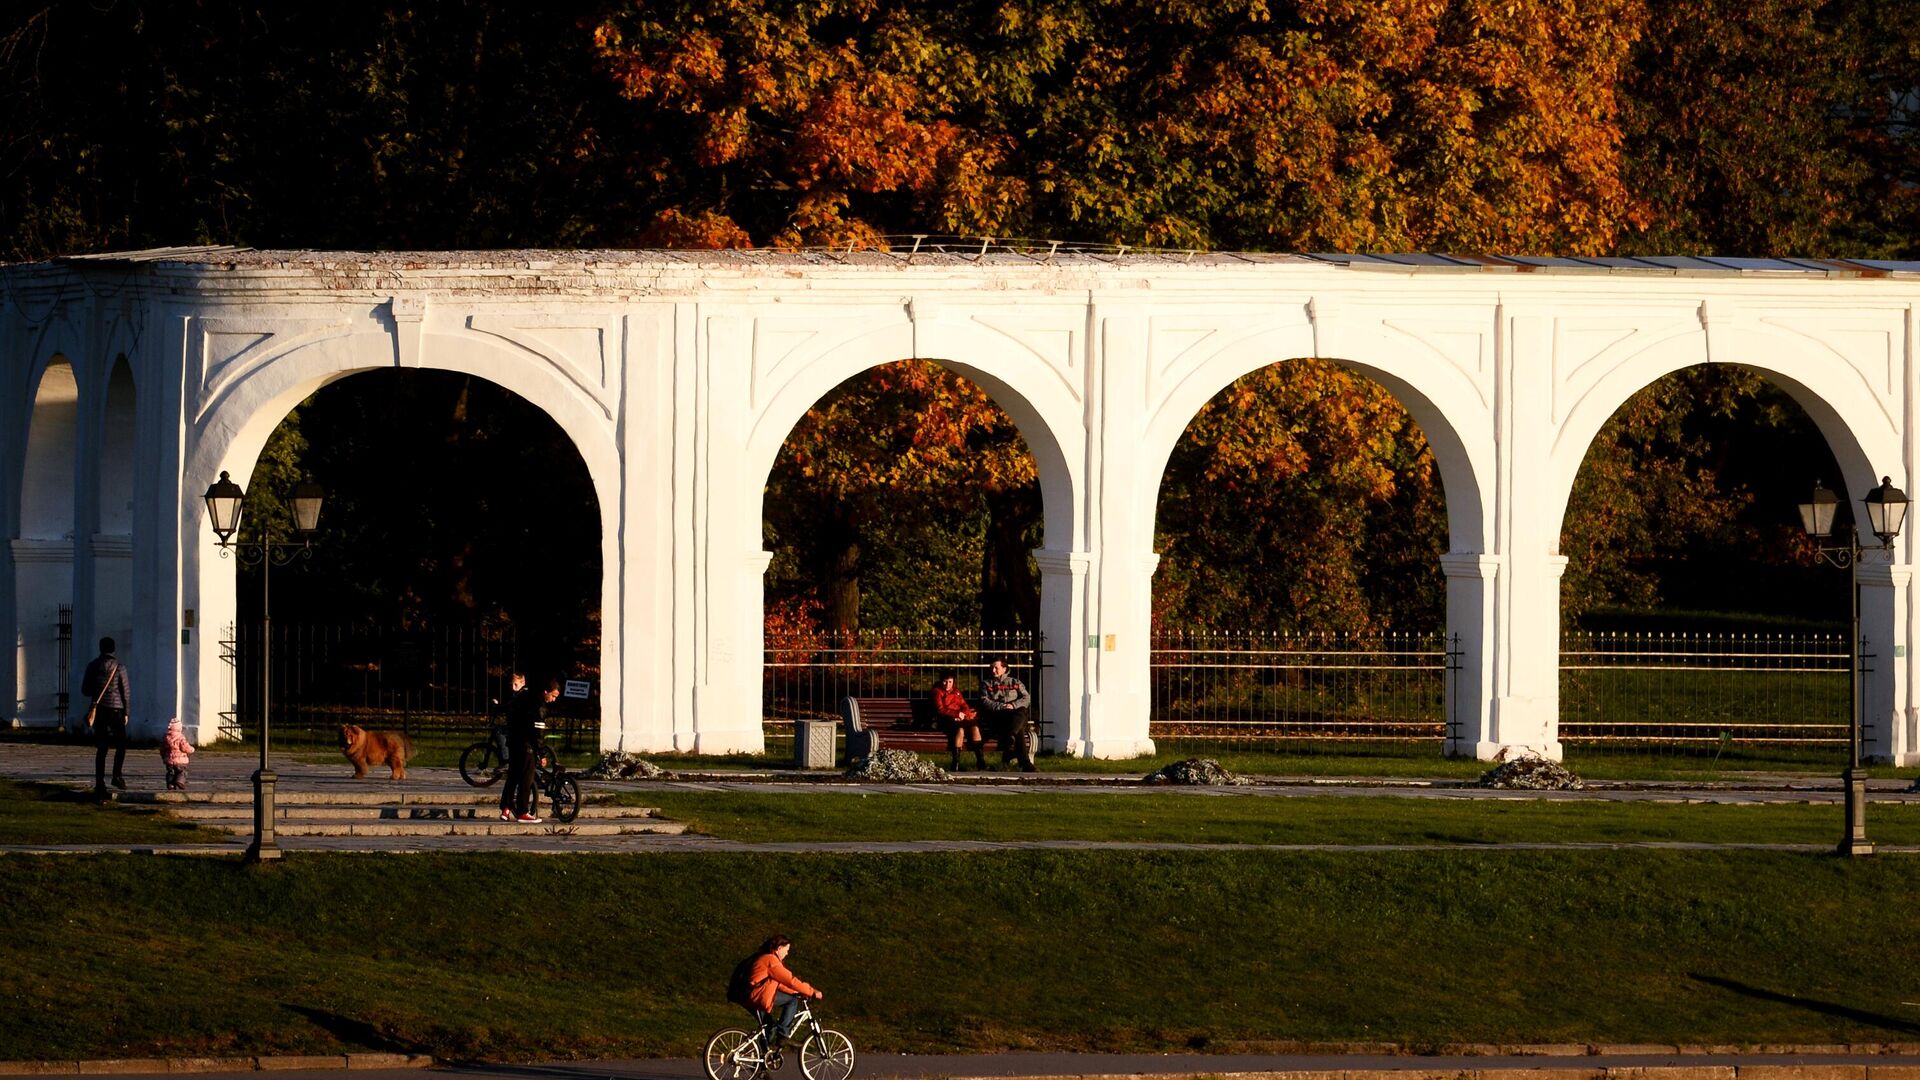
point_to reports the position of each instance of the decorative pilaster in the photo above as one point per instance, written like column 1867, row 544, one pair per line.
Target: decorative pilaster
column 1888, row 724
column 1472, row 580
column 1063, row 602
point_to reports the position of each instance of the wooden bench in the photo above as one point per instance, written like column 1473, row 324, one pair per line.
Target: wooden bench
column 895, row 723
column 900, row 724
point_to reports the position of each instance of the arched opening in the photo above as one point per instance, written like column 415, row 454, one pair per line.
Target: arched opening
column 460, row 539
column 1697, row 619
column 1299, row 605
column 112, row 542
column 116, row 452
column 901, row 513
column 43, row 551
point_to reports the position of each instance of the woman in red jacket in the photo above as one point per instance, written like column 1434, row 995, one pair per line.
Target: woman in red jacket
column 958, row 718
column 776, row 988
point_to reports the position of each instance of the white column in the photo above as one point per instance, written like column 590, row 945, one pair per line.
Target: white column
column 1526, row 712
column 1472, row 579
column 1888, row 723
column 1065, row 694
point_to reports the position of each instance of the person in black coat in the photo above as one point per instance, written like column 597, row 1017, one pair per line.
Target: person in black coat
column 106, row 683
column 526, row 716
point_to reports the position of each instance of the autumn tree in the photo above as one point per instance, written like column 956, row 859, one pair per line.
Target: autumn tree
column 907, row 459
column 1209, row 123
column 1302, row 497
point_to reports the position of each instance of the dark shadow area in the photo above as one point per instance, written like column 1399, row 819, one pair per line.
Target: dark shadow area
column 353, row 1032
column 1825, row 1008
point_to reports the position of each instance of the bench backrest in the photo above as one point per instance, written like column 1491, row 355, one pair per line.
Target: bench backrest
column 886, row 713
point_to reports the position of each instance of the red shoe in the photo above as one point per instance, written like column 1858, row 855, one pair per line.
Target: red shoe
column 527, row 819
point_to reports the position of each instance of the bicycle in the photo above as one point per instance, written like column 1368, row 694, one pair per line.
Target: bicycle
column 825, row 1054
column 483, row 763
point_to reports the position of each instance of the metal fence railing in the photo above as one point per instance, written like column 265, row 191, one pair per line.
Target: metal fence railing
column 1697, row 690
column 422, row 682
column 809, row 674
column 1293, row 690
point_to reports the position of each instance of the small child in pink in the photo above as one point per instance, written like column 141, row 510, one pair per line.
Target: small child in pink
column 174, row 750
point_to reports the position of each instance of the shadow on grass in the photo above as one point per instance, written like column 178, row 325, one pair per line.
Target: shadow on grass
column 351, row 1032
column 1825, row 1008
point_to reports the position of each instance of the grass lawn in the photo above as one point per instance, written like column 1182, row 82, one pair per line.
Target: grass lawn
column 766, row 817
column 56, row 814
column 505, row 956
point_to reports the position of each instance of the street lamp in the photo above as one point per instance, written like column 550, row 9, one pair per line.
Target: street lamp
column 224, row 499
column 1886, row 512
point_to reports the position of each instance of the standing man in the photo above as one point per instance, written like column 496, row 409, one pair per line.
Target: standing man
column 105, row 687
column 525, row 711
column 1005, row 700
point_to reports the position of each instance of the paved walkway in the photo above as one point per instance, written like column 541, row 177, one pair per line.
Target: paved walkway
column 1648, row 1063
column 229, row 772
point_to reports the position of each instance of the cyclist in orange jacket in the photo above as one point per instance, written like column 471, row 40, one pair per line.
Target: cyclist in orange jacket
column 777, row 990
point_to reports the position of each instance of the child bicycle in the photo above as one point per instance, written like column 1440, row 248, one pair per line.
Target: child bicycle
column 825, row 1054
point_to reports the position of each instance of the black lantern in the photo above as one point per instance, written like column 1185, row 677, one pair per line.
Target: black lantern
column 307, row 497
column 223, row 506
column 1886, row 510
column 1817, row 516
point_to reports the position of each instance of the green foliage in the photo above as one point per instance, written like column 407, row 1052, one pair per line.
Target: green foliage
column 1301, row 497
column 1702, row 467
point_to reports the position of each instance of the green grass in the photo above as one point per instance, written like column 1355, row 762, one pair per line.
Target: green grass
column 54, row 814
column 773, row 817
column 509, row 957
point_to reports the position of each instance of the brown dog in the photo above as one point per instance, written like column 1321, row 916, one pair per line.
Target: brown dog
column 364, row 748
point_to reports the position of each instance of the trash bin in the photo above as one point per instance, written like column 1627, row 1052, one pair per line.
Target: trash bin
column 813, row 744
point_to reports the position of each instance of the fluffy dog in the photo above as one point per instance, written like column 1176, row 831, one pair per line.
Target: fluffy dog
column 364, row 748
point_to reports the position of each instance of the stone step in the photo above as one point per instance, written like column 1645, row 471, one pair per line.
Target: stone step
column 219, row 813
column 468, row 797
column 430, row 827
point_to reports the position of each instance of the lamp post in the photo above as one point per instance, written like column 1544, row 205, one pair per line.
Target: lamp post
column 1886, row 512
column 224, row 499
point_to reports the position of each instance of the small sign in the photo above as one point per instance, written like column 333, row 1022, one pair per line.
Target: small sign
column 1112, row 640
column 1899, row 650
column 1093, row 641
column 577, row 689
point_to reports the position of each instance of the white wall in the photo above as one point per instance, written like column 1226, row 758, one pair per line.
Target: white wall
column 678, row 376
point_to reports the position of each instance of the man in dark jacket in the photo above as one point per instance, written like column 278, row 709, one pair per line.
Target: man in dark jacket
column 105, row 682
column 526, row 716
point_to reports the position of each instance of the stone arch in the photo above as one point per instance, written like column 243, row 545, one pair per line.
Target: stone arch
column 1441, row 400
column 1864, row 437
column 47, row 476
column 232, row 429
column 43, row 543
column 117, row 450
column 1044, row 408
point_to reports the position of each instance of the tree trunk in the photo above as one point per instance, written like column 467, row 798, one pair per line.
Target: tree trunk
column 840, row 590
column 1009, row 591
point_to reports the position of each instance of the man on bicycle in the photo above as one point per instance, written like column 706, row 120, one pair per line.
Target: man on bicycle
column 775, row 989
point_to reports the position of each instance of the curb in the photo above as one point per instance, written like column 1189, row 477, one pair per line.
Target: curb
column 265, row 1063
column 1635, row 1072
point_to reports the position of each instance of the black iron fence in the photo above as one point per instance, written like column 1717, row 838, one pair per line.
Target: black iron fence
column 1294, row 690
column 1687, row 691
column 809, row 674
column 422, row 682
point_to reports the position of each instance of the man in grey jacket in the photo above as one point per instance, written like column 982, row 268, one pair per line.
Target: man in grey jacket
column 1005, row 702
column 105, row 688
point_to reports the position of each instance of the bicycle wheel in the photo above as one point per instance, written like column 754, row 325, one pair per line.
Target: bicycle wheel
column 479, row 766
column 733, row 1055
column 565, row 796
column 827, row 1055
